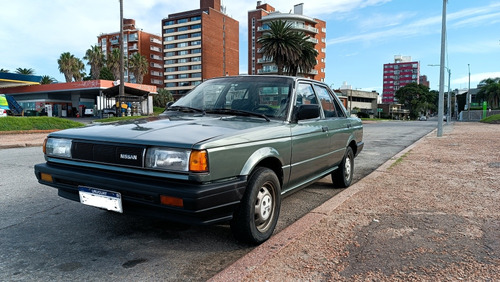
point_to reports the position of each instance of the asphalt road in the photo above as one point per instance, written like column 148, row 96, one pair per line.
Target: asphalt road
column 44, row 237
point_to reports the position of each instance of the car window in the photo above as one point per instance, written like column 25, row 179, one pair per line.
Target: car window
column 330, row 105
column 305, row 95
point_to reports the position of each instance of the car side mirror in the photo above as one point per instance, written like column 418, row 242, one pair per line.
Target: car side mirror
column 307, row 112
column 168, row 104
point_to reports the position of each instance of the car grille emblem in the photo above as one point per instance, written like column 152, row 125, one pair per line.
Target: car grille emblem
column 128, row 157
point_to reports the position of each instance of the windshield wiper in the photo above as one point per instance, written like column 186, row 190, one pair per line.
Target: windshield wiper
column 237, row 112
column 185, row 109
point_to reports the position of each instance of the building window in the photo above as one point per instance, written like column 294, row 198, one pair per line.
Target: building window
column 195, row 59
column 196, row 26
column 171, row 84
column 196, row 18
column 183, row 68
column 169, row 54
column 196, row 51
column 170, row 46
column 169, row 38
column 197, row 42
column 182, row 76
column 170, row 69
column 196, row 75
column 183, row 52
column 171, row 76
column 183, row 36
column 182, row 21
column 170, row 30
column 196, row 34
column 182, row 61
column 183, row 44
column 169, row 22
column 169, row 62
column 196, row 67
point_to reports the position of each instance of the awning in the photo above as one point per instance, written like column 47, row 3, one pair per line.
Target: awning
column 8, row 79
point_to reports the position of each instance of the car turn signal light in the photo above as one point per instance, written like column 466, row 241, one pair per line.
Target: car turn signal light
column 198, row 161
column 171, row 201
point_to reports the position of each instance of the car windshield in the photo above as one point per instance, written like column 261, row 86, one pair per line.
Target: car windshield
column 250, row 96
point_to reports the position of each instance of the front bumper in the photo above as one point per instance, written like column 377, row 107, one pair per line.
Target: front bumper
column 203, row 203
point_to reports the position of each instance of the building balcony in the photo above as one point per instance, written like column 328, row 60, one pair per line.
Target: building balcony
column 264, row 60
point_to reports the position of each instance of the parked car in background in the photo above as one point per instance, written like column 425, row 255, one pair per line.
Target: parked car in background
column 227, row 152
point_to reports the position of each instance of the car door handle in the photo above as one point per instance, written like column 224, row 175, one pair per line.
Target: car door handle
column 324, row 128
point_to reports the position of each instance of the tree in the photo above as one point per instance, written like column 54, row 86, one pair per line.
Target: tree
column 138, row 65
column 4, row 70
column 47, row 80
column 66, row 65
column 489, row 90
column 162, row 98
column 416, row 98
column 25, row 71
column 306, row 60
column 78, row 70
column 281, row 44
column 95, row 58
column 106, row 74
column 113, row 63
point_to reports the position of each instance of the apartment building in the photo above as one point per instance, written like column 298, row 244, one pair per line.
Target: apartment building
column 398, row 74
column 258, row 21
column 197, row 45
column 136, row 41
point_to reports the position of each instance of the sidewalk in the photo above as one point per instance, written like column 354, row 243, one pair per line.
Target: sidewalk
column 431, row 213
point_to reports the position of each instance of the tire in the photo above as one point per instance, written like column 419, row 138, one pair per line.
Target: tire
column 257, row 215
column 342, row 177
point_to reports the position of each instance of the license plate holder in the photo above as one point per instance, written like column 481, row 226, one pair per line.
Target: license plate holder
column 101, row 198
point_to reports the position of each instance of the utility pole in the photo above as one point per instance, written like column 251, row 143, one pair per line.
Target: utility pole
column 441, row 73
column 121, row 88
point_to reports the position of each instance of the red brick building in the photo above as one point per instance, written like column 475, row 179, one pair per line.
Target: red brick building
column 198, row 45
column 258, row 20
column 137, row 41
column 398, row 74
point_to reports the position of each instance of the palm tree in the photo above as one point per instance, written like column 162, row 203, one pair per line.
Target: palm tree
column 95, row 58
column 113, row 63
column 138, row 65
column 66, row 65
column 281, row 43
column 25, row 71
column 490, row 91
column 306, row 60
column 78, row 70
column 4, row 70
column 47, row 80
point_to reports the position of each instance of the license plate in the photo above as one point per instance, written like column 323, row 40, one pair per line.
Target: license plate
column 99, row 198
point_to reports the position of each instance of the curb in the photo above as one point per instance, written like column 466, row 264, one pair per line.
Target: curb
column 259, row 255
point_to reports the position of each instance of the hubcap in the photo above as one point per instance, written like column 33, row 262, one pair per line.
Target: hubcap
column 347, row 168
column 263, row 207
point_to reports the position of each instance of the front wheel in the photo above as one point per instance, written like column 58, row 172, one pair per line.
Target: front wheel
column 256, row 217
column 342, row 177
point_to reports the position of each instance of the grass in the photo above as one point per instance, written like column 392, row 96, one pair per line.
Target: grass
column 399, row 160
column 491, row 119
column 36, row 123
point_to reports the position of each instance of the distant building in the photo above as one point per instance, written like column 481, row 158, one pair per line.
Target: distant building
column 423, row 80
column 137, row 41
column 364, row 101
column 398, row 74
column 258, row 20
column 198, row 45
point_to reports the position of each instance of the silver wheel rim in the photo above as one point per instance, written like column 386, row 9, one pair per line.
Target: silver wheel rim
column 347, row 168
column 264, row 207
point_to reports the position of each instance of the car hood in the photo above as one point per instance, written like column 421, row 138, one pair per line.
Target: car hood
column 178, row 131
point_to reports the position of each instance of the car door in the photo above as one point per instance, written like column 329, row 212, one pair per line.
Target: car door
column 310, row 141
column 339, row 126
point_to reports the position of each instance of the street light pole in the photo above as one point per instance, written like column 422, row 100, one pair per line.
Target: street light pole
column 121, row 88
column 441, row 73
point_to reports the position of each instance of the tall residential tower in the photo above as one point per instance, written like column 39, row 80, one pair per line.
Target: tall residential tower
column 136, row 41
column 398, row 74
column 258, row 20
column 197, row 45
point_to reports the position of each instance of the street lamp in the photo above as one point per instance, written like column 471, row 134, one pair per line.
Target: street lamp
column 448, row 116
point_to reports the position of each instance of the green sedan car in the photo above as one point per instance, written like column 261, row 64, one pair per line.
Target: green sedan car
column 227, row 152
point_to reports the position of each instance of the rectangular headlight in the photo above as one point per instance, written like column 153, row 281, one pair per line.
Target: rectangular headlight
column 168, row 159
column 58, row 147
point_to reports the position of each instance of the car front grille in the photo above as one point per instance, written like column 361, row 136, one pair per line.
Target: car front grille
column 108, row 153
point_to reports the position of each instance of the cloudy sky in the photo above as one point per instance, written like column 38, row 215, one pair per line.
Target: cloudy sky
column 362, row 35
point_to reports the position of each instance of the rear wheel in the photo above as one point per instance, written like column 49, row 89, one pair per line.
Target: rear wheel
column 256, row 217
column 342, row 177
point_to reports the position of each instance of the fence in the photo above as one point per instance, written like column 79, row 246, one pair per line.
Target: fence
column 476, row 115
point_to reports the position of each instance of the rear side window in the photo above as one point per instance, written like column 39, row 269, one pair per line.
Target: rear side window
column 330, row 105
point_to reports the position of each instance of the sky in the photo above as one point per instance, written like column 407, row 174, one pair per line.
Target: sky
column 362, row 35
